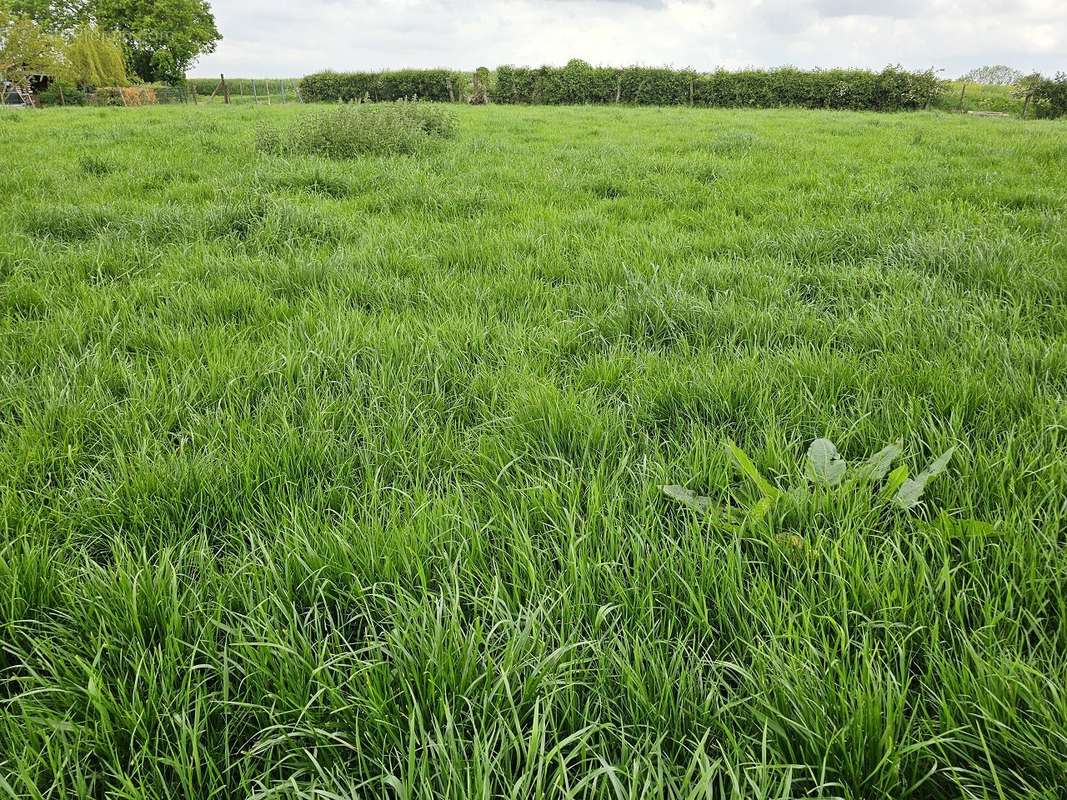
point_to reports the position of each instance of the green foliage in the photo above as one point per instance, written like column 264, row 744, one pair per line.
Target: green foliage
column 26, row 49
column 352, row 130
column 979, row 97
column 1049, row 95
column 892, row 89
column 910, row 493
column 439, row 85
column 825, row 464
column 61, row 93
column 481, row 86
column 993, row 75
column 162, row 37
column 824, row 469
column 93, row 57
column 55, row 16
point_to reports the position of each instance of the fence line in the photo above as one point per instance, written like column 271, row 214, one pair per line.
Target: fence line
column 247, row 91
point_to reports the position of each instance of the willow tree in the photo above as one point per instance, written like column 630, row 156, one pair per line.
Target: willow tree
column 94, row 57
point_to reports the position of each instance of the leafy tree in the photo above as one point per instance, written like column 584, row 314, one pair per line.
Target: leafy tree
column 94, row 58
column 162, row 37
column 26, row 49
column 54, row 16
column 993, row 75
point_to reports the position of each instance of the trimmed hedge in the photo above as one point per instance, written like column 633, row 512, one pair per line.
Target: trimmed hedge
column 892, row 89
column 440, row 85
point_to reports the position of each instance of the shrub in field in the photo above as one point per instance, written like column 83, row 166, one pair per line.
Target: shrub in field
column 435, row 121
column 353, row 130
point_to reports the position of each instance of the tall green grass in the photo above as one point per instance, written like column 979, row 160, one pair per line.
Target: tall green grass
column 352, row 130
column 341, row 478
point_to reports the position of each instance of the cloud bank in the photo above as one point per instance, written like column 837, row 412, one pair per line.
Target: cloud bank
column 272, row 38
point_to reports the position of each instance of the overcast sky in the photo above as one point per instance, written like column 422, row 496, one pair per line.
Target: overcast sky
column 276, row 38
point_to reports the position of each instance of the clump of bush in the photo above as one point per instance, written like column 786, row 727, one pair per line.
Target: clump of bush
column 356, row 129
column 60, row 93
column 1049, row 95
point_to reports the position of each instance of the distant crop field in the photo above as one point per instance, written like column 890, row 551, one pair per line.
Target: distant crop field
column 342, row 477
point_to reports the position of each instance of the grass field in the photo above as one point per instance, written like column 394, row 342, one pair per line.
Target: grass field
column 341, row 478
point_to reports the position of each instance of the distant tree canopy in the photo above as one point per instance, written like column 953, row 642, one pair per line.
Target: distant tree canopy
column 162, row 38
column 54, row 16
column 90, row 57
column 994, row 75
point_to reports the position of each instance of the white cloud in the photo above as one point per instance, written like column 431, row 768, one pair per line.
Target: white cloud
column 272, row 38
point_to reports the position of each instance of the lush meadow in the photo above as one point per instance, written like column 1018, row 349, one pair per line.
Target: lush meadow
column 341, row 478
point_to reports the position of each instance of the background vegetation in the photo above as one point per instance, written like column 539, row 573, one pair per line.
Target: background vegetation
column 967, row 96
column 440, row 85
column 579, row 83
column 1050, row 95
column 342, row 478
column 161, row 39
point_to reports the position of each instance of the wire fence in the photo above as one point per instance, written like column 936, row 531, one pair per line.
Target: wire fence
column 264, row 91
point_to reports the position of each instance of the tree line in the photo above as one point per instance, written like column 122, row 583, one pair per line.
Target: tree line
column 104, row 42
